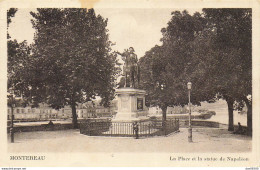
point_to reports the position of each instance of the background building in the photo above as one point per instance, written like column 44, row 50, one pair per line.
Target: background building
column 45, row 112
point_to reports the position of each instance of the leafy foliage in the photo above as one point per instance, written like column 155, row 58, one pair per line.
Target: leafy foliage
column 166, row 69
column 18, row 57
column 212, row 50
column 72, row 58
column 10, row 13
column 17, row 60
column 231, row 40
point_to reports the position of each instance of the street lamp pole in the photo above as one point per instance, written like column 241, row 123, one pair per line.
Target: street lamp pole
column 190, row 128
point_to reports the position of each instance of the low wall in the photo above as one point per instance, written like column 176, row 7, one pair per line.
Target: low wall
column 43, row 127
column 185, row 123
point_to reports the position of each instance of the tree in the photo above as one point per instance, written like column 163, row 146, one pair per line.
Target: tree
column 18, row 55
column 10, row 13
column 231, row 41
column 156, row 80
column 212, row 50
column 166, row 69
column 17, row 64
column 72, row 58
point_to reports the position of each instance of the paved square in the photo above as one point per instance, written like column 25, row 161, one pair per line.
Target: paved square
column 204, row 140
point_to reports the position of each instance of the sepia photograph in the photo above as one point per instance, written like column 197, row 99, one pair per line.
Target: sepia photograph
column 172, row 81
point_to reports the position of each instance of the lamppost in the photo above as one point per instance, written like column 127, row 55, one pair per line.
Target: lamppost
column 189, row 129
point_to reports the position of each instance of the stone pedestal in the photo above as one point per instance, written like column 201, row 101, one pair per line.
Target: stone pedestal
column 131, row 105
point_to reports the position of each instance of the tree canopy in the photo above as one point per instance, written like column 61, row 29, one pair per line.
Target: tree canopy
column 232, row 42
column 17, row 58
column 166, row 69
column 212, row 50
column 71, row 59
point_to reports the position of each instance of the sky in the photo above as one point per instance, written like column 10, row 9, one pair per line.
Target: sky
column 129, row 27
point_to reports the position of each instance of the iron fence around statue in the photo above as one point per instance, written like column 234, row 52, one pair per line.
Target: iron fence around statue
column 105, row 127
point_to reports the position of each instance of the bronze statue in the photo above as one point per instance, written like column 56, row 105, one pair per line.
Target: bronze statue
column 131, row 67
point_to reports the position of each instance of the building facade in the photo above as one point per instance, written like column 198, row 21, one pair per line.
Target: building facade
column 44, row 112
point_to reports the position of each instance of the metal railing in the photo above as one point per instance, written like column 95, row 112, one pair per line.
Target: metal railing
column 140, row 128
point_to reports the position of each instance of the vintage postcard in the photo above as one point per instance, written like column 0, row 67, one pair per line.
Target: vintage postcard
column 108, row 83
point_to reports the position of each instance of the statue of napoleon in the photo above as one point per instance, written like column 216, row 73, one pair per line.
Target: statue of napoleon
column 131, row 67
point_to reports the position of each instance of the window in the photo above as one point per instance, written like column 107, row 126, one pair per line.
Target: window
column 33, row 110
column 17, row 110
column 29, row 110
column 22, row 110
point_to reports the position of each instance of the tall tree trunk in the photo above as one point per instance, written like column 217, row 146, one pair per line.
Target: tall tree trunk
column 74, row 116
column 164, row 109
column 230, row 103
column 249, row 116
